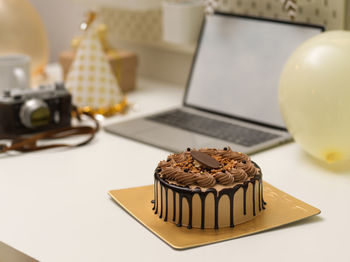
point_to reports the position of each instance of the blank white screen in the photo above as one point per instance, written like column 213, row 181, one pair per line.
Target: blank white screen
column 238, row 64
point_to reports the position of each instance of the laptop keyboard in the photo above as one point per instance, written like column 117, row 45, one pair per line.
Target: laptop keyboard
column 214, row 128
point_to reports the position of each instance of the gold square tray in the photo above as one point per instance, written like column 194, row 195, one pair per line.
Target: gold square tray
column 281, row 209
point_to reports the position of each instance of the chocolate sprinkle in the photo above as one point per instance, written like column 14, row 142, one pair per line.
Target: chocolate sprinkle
column 205, row 160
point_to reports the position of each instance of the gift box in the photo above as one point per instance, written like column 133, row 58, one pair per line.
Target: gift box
column 123, row 64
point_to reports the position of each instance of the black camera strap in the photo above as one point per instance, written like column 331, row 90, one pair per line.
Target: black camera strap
column 30, row 143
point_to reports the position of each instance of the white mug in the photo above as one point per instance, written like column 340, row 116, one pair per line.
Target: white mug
column 14, row 71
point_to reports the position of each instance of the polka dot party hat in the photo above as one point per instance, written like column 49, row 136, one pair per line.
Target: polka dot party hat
column 90, row 79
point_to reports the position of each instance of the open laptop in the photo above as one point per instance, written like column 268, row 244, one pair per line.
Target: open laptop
column 232, row 91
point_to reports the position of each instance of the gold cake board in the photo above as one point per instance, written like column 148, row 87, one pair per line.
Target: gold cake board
column 281, row 209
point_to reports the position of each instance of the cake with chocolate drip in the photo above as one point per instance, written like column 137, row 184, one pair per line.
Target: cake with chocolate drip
column 208, row 188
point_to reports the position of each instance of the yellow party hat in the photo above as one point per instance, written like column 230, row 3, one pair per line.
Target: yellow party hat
column 90, row 78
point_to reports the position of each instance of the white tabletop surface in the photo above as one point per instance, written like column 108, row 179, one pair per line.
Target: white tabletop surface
column 54, row 204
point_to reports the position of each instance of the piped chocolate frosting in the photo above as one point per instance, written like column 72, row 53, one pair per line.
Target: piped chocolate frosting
column 207, row 167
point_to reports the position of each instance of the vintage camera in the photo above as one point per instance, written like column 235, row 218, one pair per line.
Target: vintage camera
column 25, row 111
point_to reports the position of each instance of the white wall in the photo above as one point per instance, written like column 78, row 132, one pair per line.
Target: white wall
column 62, row 19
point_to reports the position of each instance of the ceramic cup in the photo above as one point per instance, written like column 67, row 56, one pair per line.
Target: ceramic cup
column 182, row 21
column 14, row 71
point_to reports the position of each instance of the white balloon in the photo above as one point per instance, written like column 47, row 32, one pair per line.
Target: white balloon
column 314, row 96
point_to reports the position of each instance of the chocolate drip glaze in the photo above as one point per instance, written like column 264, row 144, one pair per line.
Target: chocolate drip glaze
column 166, row 204
column 188, row 197
column 187, row 193
column 179, row 224
column 231, row 210
column 189, row 200
column 263, row 203
column 216, row 199
column 203, row 197
column 174, row 204
column 156, row 195
column 161, row 201
column 245, row 187
column 253, row 182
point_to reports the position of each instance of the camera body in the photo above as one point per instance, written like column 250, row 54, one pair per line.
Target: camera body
column 24, row 111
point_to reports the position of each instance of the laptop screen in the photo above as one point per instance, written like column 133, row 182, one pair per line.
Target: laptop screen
column 238, row 64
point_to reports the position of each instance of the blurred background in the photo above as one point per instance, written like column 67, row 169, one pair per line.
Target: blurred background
column 138, row 25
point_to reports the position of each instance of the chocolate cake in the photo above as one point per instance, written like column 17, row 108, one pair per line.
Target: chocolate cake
column 208, row 188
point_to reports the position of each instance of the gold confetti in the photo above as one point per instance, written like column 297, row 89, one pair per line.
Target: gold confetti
column 119, row 108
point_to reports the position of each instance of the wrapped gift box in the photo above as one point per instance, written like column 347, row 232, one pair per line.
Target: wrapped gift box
column 123, row 63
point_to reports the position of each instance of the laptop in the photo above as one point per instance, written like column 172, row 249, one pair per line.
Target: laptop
column 231, row 97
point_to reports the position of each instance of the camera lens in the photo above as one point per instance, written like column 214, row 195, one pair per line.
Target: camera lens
column 34, row 113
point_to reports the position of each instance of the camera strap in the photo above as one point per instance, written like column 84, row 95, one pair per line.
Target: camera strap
column 30, row 143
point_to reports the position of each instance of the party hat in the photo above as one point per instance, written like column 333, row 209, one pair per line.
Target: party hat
column 90, row 78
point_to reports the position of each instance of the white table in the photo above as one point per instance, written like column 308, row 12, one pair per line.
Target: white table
column 54, row 204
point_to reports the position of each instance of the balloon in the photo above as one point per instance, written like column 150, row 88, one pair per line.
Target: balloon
column 314, row 96
column 22, row 31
